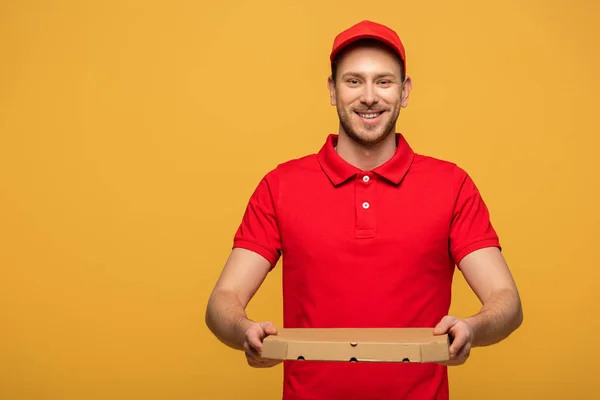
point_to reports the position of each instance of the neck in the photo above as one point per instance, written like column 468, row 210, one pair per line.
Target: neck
column 364, row 157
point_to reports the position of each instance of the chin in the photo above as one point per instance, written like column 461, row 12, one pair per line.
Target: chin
column 368, row 138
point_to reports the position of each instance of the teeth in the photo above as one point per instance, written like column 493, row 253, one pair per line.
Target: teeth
column 369, row 116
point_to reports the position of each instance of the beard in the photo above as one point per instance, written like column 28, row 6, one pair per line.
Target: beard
column 364, row 134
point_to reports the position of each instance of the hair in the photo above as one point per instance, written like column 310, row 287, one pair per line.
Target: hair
column 364, row 43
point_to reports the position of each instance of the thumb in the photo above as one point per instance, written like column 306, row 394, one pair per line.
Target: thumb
column 269, row 328
column 444, row 325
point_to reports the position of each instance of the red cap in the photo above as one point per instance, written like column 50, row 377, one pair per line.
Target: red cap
column 369, row 30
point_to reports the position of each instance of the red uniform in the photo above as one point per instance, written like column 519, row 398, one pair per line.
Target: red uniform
column 365, row 249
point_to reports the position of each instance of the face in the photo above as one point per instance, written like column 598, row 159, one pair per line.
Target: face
column 368, row 94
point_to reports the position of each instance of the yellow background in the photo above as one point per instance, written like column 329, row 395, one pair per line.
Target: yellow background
column 133, row 132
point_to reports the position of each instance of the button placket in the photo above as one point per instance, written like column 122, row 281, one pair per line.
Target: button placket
column 365, row 214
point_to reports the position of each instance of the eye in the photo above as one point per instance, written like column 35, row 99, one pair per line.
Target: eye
column 353, row 81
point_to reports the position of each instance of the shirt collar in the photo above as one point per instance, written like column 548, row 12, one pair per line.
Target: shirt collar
column 339, row 170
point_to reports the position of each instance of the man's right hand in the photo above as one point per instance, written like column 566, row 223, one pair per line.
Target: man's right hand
column 254, row 334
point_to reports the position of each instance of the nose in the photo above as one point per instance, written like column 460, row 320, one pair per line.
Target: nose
column 369, row 95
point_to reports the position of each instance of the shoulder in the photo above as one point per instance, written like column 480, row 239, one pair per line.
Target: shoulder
column 444, row 176
column 293, row 168
column 446, row 170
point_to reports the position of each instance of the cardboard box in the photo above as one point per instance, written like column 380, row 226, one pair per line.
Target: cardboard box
column 414, row 345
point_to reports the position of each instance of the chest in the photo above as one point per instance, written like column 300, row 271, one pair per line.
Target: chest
column 347, row 264
column 366, row 221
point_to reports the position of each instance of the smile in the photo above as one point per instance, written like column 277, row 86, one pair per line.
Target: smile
column 370, row 118
column 370, row 115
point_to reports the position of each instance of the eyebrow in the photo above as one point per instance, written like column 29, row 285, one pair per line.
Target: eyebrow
column 378, row 76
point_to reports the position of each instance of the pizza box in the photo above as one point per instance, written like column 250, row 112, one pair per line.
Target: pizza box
column 413, row 345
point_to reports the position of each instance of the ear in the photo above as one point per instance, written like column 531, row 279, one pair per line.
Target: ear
column 406, row 88
column 331, row 87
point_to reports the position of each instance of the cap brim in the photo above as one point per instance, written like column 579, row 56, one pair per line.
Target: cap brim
column 356, row 38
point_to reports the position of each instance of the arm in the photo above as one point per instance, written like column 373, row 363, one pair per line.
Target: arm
column 488, row 275
column 501, row 313
column 226, row 317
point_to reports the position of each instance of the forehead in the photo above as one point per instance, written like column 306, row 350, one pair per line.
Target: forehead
column 372, row 58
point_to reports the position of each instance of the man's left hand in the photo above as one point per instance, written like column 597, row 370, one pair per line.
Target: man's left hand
column 461, row 334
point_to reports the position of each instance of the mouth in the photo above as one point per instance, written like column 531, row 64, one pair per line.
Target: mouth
column 370, row 117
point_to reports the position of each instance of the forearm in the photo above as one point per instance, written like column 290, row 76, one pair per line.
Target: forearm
column 498, row 318
column 226, row 318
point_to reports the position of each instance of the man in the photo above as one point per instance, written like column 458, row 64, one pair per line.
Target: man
column 370, row 234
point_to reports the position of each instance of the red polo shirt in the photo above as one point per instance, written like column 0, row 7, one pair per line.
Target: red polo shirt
column 365, row 249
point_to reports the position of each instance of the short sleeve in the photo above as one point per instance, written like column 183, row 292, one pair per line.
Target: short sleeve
column 258, row 230
column 471, row 228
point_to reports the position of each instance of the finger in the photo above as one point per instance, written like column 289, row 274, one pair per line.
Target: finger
column 269, row 328
column 253, row 338
column 268, row 363
column 254, row 360
column 253, row 357
column 250, row 351
column 271, row 363
column 462, row 335
column 262, row 364
column 459, row 358
column 451, row 363
column 253, row 352
column 444, row 325
column 464, row 352
column 458, row 342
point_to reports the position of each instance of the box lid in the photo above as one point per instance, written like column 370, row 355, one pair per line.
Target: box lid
column 415, row 345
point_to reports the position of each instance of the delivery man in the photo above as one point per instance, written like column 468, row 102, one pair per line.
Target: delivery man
column 369, row 233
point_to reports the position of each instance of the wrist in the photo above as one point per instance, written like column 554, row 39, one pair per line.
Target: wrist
column 474, row 322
